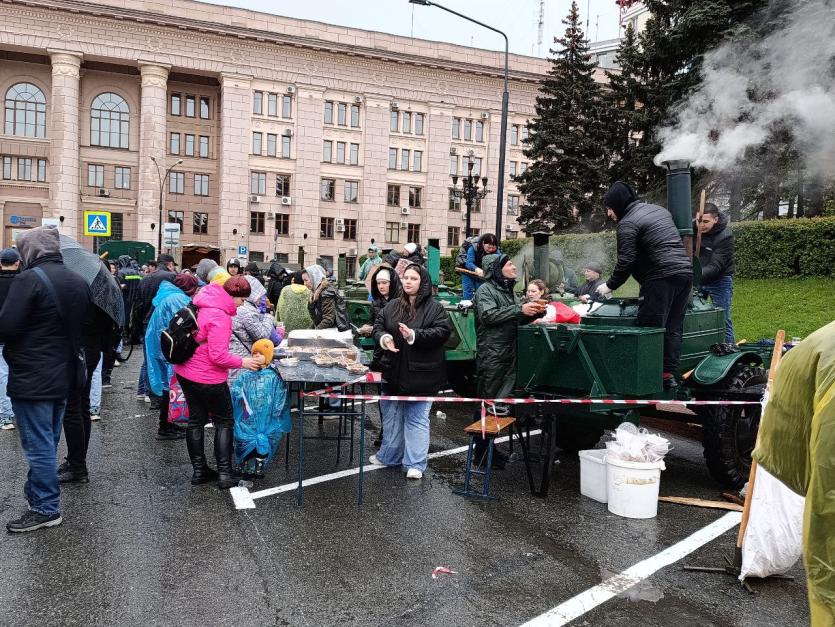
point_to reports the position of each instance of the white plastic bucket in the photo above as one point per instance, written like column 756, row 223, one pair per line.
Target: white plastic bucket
column 632, row 487
column 593, row 474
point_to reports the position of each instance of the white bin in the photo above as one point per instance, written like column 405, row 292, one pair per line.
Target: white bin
column 593, row 474
column 632, row 487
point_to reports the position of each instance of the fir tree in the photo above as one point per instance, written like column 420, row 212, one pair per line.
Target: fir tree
column 565, row 143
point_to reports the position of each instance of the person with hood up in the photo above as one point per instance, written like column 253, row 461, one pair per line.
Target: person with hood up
column 412, row 331
column 326, row 306
column 277, row 279
column 40, row 325
column 129, row 276
column 203, row 378
column 650, row 249
column 254, row 271
column 292, row 308
column 372, row 260
column 9, row 268
column 250, row 324
column 716, row 255
column 170, row 298
column 204, row 267
column 233, row 266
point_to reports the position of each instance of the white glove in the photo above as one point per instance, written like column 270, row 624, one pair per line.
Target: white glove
column 603, row 290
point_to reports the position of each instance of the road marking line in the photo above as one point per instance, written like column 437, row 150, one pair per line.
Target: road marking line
column 586, row 601
column 244, row 499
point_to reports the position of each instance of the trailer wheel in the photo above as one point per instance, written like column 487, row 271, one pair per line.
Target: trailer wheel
column 729, row 433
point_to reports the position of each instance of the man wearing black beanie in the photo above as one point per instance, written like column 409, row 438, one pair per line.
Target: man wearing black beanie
column 650, row 249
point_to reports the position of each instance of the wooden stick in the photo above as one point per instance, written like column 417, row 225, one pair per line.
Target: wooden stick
column 469, row 273
column 772, row 371
column 698, row 219
column 683, row 500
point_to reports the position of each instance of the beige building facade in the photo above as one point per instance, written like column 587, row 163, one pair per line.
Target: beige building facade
column 280, row 135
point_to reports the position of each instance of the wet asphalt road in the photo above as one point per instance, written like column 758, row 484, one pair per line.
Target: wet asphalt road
column 140, row 546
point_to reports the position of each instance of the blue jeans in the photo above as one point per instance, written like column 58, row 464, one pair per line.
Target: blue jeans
column 39, row 425
column 95, row 386
column 144, row 386
column 405, row 434
column 721, row 292
column 5, row 404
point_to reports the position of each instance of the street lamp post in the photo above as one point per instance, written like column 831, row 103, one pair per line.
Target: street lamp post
column 505, row 98
column 162, row 180
column 469, row 191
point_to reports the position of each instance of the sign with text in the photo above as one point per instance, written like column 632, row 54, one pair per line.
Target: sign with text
column 97, row 223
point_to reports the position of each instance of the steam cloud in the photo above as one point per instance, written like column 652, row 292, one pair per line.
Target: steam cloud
column 749, row 89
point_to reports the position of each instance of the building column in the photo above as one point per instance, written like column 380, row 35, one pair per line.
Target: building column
column 63, row 135
column 438, row 215
column 372, row 219
column 304, row 222
column 152, row 125
column 235, row 129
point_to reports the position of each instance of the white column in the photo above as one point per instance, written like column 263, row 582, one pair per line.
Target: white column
column 152, row 126
column 235, row 125
column 372, row 222
column 305, row 216
column 63, row 136
column 438, row 215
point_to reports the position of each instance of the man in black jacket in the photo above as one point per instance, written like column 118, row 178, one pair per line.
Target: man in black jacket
column 40, row 323
column 650, row 249
column 716, row 254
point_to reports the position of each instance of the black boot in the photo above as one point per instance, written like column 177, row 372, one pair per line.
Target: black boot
column 202, row 472
column 223, row 455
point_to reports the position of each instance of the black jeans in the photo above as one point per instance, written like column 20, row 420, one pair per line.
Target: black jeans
column 665, row 302
column 207, row 398
column 77, row 416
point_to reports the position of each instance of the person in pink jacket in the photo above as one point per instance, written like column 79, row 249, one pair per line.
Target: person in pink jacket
column 203, row 378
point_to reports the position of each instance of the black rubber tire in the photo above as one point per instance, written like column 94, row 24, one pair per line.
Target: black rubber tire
column 729, row 433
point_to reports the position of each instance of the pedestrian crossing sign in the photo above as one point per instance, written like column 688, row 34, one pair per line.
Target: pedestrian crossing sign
column 97, row 223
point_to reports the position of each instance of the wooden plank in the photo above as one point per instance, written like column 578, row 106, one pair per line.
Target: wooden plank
column 683, row 500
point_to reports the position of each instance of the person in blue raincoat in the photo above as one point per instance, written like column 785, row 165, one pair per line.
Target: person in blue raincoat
column 170, row 298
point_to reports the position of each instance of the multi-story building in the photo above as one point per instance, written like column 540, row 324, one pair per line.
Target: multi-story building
column 280, row 134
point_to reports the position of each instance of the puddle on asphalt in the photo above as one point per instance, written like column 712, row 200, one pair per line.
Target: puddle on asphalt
column 641, row 591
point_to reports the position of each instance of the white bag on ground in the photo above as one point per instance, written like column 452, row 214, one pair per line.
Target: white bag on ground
column 774, row 536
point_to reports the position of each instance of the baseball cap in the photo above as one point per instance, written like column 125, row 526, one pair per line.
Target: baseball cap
column 8, row 256
column 165, row 258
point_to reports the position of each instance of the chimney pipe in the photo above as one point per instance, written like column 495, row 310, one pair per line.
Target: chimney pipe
column 679, row 201
column 541, row 263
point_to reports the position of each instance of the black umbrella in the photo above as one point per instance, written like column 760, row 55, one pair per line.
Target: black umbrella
column 105, row 290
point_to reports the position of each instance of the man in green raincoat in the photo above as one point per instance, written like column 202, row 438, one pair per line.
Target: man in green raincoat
column 797, row 445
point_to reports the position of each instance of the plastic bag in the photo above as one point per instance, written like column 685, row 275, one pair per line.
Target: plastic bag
column 632, row 444
column 262, row 415
column 774, row 536
column 177, row 407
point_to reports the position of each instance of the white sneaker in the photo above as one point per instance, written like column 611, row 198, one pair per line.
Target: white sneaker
column 374, row 461
column 146, row 398
column 209, row 425
column 7, row 426
column 117, row 364
column 414, row 473
column 95, row 417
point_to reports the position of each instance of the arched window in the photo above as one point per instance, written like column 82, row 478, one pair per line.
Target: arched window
column 109, row 121
column 25, row 111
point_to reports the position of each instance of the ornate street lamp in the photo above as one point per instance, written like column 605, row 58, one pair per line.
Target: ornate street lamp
column 469, row 191
column 162, row 180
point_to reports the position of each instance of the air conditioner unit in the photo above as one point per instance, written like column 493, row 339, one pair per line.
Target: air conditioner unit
column 508, row 228
column 286, row 200
column 405, row 211
column 340, row 228
column 340, row 222
column 102, row 192
column 288, row 132
column 404, row 225
column 463, row 216
column 485, row 115
column 254, row 199
column 352, row 252
column 453, row 151
column 395, row 106
column 358, row 99
column 291, row 89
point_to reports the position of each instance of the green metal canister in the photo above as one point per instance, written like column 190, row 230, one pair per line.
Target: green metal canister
column 678, row 195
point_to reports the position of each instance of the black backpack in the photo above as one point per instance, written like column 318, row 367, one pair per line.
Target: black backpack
column 461, row 259
column 177, row 341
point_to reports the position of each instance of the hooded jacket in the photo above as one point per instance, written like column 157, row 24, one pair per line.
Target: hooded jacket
column 717, row 252
column 379, row 302
column 326, row 306
column 250, row 325
column 292, row 308
column 168, row 301
column 148, row 287
column 649, row 245
column 212, row 360
column 204, row 267
column 420, row 367
column 277, row 279
column 254, row 271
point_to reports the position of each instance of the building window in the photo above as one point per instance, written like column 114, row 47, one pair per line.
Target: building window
column 474, row 232
column 414, row 198
column 355, row 116
column 201, row 184
column 258, row 102
column 340, row 152
column 176, row 217
column 200, row 223
column 513, row 166
column 352, row 191
column 24, row 169
column 523, row 133
column 176, row 101
column 355, row 154
column 327, row 151
column 258, row 183
column 514, row 135
column 122, row 178
column 454, row 201
column 468, row 130
column 95, row 175
column 282, row 224
column 453, row 165
column 190, row 106
column 513, row 205
column 109, row 121
column 341, row 114
column 407, row 122
column 453, row 236
column 417, row 164
column 393, row 196
column 327, row 189
column 176, row 183
column 25, row 111
column 350, row 230
column 476, row 205
column 204, row 108
column 394, row 122
column 456, row 128
column 479, row 131
column 404, row 159
column 286, row 107
column 393, row 232
column 282, row 258
column 413, row 233
column 174, row 144
column 285, row 146
column 7, row 168
column 204, row 147
column 511, row 235
column 476, row 166
column 418, row 124
column 257, row 222
column 272, row 104
column 42, row 172
column 256, row 143
column 392, row 158
column 282, row 185
column 523, row 166
column 271, row 145
column 256, row 255
column 189, row 147
column 326, row 228
column 328, row 112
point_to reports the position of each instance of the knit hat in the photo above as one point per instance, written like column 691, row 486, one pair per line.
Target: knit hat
column 410, row 248
column 9, row 256
column 237, row 287
column 187, row 283
column 619, row 197
column 383, row 275
column 594, row 266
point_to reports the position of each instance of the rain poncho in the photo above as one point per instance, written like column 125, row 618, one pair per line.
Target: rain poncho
column 168, row 301
column 262, row 415
column 797, row 445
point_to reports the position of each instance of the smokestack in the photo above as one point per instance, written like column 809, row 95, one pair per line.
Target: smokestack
column 541, row 265
column 678, row 195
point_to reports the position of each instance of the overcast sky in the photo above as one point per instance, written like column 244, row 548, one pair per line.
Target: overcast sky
column 518, row 18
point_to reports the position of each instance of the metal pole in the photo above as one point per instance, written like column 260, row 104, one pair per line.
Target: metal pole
column 468, row 197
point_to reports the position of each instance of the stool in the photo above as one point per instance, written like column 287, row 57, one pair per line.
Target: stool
column 494, row 426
